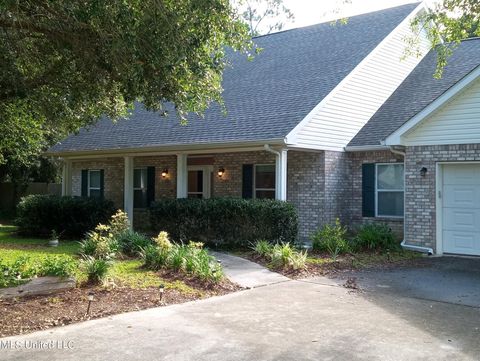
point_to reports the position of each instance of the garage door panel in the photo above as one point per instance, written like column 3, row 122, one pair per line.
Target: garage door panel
column 461, row 209
column 465, row 196
column 462, row 242
column 461, row 174
column 458, row 219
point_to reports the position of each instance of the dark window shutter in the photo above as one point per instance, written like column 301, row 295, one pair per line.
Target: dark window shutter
column 247, row 181
column 150, row 185
column 102, row 177
column 84, row 183
column 368, row 190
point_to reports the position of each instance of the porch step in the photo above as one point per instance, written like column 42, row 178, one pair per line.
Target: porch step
column 246, row 273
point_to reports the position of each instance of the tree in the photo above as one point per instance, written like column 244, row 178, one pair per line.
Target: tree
column 65, row 63
column 447, row 24
column 263, row 16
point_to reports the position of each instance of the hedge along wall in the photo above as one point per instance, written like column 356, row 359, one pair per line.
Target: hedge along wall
column 72, row 217
column 225, row 220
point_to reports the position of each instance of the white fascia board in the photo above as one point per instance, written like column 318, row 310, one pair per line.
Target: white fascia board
column 291, row 137
column 396, row 138
column 366, row 148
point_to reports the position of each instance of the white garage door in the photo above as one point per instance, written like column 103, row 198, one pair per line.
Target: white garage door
column 461, row 209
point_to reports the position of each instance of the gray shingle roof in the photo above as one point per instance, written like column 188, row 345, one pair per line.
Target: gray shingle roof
column 417, row 91
column 265, row 98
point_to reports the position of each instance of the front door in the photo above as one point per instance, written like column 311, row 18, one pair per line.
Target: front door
column 199, row 181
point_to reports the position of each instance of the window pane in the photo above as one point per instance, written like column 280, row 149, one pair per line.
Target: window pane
column 140, row 198
column 265, row 194
column 94, row 178
column 390, row 176
column 139, row 178
column 95, row 193
column 265, row 176
column 390, row 204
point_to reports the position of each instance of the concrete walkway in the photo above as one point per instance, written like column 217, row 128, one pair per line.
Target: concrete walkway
column 295, row 320
column 246, row 273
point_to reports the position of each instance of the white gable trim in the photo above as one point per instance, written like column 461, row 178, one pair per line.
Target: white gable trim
column 292, row 137
column 396, row 138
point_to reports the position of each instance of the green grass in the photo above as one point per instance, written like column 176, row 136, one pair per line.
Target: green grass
column 125, row 272
column 130, row 273
column 13, row 246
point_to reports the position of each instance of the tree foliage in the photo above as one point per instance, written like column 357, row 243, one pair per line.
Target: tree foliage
column 263, row 16
column 64, row 63
column 448, row 23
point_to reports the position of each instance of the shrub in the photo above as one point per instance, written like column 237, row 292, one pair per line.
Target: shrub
column 281, row 255
column 375, row 236
column 95, row 268
column 71, row 217
column 331, row 239
column 131, row 243
column 99, row 243
column 225, row 220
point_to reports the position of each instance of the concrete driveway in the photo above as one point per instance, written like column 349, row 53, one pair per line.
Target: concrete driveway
column 296, row 320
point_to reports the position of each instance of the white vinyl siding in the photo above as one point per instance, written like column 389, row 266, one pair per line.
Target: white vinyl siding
column 339, row 117
column 457, row 122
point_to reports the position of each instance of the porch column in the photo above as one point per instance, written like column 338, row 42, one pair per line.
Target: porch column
column 128, row 189
column 182, row 176
column 67, row 178
column 281, row 175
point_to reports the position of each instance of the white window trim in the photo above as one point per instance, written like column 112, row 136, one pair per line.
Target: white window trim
column 388, row 190
column 207, row 173
column 255, row 189
column 93, row 188
column 140, row 188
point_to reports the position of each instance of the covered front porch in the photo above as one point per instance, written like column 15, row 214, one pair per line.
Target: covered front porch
column 133, row 181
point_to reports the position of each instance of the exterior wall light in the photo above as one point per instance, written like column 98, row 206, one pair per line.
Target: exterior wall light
column 221, row 172
column 423, row 171
column 164, row 173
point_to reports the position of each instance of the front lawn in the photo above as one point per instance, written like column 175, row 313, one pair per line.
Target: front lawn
column 127, row 287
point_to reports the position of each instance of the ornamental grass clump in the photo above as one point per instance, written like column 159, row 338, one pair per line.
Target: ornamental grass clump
column 191, row 258
column 281, row 255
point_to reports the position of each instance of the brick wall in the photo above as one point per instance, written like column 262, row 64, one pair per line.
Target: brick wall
column 230, row 185
column 354, row 200
column 420, row 212
column 305, row 189
column 113, row 177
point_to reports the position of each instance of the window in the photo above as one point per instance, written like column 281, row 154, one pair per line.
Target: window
column 389, row 186
column 264, row 181
column 140, row 188
column 94, row 184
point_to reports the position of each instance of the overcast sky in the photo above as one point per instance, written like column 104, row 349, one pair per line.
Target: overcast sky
column 308, row 12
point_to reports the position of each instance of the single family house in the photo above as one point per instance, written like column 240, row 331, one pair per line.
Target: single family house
column 337, row 119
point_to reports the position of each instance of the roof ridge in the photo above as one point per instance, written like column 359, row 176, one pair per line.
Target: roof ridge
column 337, row 19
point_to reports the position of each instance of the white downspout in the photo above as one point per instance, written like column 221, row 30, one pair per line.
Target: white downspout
column 427, row 250
column 280, row 172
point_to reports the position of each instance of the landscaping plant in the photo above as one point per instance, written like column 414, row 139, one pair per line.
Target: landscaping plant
column 95, row 268
column 377, row 237
column 331, row 239
column 131, row 243
column 281, row 255
column 189, row 258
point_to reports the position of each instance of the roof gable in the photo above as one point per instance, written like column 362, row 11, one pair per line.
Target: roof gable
column 419, row 90
column 265, row 98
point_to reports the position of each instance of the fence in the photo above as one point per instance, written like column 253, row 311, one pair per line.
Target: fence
column 7, row 200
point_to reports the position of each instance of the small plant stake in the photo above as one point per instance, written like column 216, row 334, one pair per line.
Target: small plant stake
column 90, row 300
column 161, row 288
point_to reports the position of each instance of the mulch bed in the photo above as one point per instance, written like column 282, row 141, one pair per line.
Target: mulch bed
column 24, row 315
column 343, row 264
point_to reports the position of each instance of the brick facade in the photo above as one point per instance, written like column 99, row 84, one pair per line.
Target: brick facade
column 354, row 207
column 420, row 212
column 323, row 185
